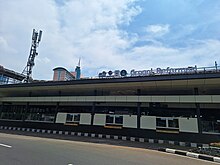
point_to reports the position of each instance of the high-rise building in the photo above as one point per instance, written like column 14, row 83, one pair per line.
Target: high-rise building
column 61, row 74
column 78, row 71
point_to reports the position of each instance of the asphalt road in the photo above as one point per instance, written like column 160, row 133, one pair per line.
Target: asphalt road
column 27, row 150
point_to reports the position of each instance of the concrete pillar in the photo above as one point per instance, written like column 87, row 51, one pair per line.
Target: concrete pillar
column 138, row 110
column 93, row 113
column 138, row 115
column 198, row 112
column 1, row 109
column 93, row 109
column 56, row 111
column 25, row 112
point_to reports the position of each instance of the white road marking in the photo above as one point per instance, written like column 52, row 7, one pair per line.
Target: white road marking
column 4, row 145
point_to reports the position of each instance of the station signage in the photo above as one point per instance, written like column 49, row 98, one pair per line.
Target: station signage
column 160, row 71
column 113, row 74
column 157, row 71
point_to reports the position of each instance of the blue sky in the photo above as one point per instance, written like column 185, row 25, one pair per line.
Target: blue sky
column 110, row 35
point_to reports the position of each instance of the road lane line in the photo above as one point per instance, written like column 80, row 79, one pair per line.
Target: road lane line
column 4, row 145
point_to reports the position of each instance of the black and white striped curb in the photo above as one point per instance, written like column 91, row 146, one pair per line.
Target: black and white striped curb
column 93, row 135
column 190, row 154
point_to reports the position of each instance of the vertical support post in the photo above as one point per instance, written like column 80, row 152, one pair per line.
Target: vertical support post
column 138, row 110
column 93, row 113
column 138, row 115
column 25, row 112
column 56, row 111
column 2, row 107
column 93, row 109
column 198, row 112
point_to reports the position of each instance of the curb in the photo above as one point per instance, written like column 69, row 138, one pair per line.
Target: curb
column 104, row 136
column 191, row 154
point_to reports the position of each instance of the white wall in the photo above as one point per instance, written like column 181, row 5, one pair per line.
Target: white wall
column 130, row 121
column 85, row 118
column 188, row 125
column 99, row 119
column 61, row 118
column 148, row 122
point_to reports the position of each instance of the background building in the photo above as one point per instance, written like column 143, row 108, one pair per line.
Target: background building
column 61, row 74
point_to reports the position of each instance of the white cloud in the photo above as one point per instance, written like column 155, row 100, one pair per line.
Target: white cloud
column 77, row 28
column 158, row 30
column 202, row 53
column 91, row 30
column 4, row 47
column 43, row 60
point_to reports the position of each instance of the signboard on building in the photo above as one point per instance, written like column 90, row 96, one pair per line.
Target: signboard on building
column 160, row 71
column 136, row 73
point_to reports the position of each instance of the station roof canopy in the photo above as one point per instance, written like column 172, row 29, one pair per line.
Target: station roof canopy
column 205, row 81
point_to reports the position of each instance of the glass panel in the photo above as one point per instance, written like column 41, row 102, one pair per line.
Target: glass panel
column 173, row 123
column 77, row 117
column 109, row 119
column 69, row 117
column 48, row 118
column 161, row 122
column 211, row 126
column 118, row 119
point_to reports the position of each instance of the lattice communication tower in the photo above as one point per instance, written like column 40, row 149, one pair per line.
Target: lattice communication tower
column 36, row 38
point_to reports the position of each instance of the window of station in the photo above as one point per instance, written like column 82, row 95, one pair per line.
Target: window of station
column 109, row 119
column 69, row 117
column 210, row 120
column 173, row 123
column 118, row 119
column 211, row 126
column 33, row 113
column 73, row 118
column 114, row 119
column 167, row 122
column 77, row 117
column 161, row 122
column 40, row 113
column 12, row 112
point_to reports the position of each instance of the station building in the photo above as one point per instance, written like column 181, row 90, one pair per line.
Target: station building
column 183, row 106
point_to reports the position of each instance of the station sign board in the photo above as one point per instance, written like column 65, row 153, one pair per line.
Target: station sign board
column 160, row 71
column 137, row 73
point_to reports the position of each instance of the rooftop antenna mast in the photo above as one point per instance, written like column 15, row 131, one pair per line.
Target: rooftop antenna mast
column 36, row 38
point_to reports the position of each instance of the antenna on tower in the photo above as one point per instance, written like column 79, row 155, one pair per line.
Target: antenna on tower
column 79, row 62
column 36, row 38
